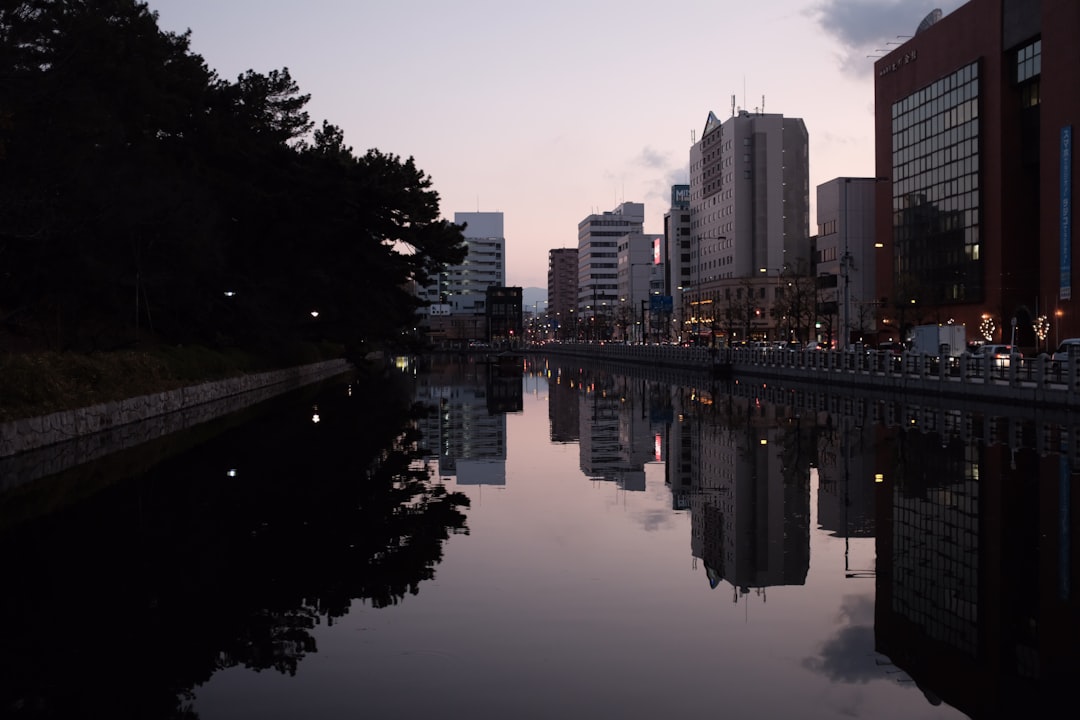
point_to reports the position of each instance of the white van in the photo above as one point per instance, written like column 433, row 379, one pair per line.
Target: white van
column 1067, row 346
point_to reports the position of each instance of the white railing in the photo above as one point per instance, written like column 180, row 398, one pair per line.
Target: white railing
column 1019, row 380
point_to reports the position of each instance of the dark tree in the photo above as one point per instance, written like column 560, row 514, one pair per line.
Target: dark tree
column 141, row 197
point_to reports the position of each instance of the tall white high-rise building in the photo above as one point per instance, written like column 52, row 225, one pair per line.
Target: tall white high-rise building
column 749, row 199
column 749, row 224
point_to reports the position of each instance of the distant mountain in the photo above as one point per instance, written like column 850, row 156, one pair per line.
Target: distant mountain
column 531, row 295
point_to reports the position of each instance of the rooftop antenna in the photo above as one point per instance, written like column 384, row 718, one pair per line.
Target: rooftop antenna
column 693, row 136
column 733, row 105
column 763, row 103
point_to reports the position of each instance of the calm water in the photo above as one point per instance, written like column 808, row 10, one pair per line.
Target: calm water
column 564, row 542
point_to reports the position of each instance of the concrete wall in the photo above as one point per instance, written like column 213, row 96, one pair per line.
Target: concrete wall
column 189, row 405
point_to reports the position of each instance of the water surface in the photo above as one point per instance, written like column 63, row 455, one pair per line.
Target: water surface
column 561, row 542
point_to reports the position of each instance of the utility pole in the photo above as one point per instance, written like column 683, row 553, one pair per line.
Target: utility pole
column 845, row 270
column 644, row 334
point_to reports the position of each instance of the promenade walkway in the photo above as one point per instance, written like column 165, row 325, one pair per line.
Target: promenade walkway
column 1033, row 382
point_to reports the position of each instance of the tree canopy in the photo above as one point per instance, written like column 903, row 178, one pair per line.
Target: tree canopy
column 141, row 195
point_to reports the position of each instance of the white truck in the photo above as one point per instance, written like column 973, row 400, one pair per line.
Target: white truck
column 936, row 340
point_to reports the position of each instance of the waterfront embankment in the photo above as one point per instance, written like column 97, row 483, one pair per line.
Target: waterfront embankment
column 1037, row 382
column 128, row 421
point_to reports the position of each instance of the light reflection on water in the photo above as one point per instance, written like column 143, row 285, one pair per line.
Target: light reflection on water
column 628, row 548
column 642, row 549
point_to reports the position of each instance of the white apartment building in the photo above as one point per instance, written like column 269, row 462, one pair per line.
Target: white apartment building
column 462, row 288
column 598, row 247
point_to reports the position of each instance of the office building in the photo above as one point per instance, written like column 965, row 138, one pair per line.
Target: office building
column 485, row 264
column 562, row 290
column 846, row 254
column 504, row 315
column 974, row 125
column 677, row 246
column 457, row 298
column 640, row 275
column 598, row 275
column 749, row 217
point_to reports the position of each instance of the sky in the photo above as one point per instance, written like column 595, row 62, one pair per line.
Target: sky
column 551, row 111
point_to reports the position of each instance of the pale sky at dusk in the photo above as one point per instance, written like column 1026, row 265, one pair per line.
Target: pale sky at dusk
column 549, row 111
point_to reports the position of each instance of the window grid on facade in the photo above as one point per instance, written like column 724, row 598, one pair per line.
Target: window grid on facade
column 1029, row 61
column 935, row 562
column 1028, row 70
column 935, row 158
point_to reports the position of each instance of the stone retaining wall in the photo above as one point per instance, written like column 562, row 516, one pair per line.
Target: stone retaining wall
column 190, row 405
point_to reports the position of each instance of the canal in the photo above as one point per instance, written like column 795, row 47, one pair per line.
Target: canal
column 552, row 539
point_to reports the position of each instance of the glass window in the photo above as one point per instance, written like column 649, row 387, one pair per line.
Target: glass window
column 935, row 189
column 1029, row 62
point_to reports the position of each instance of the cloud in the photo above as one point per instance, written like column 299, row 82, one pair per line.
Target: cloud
column 849, row 656
column 652, row 158
column 656, row 519
column 662, row 170
column 869, row 27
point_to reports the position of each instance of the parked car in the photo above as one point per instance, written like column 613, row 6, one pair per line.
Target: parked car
column 1067, row 345
column 896, row 348
column 1002, row 355
column 813, row 345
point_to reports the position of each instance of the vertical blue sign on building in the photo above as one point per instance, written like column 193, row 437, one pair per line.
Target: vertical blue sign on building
column 1065, row 291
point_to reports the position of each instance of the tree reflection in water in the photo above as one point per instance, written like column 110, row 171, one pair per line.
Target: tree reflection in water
column 121, row 603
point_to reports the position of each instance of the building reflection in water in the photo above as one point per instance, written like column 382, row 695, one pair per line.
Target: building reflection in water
column 972, row 516
column 465, row 430
column 564, row 387
column 747, row 495
column 976, row 550
column 846, row 499
column 616, row 434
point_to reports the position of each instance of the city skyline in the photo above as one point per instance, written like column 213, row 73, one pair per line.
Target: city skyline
column 551, row 113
